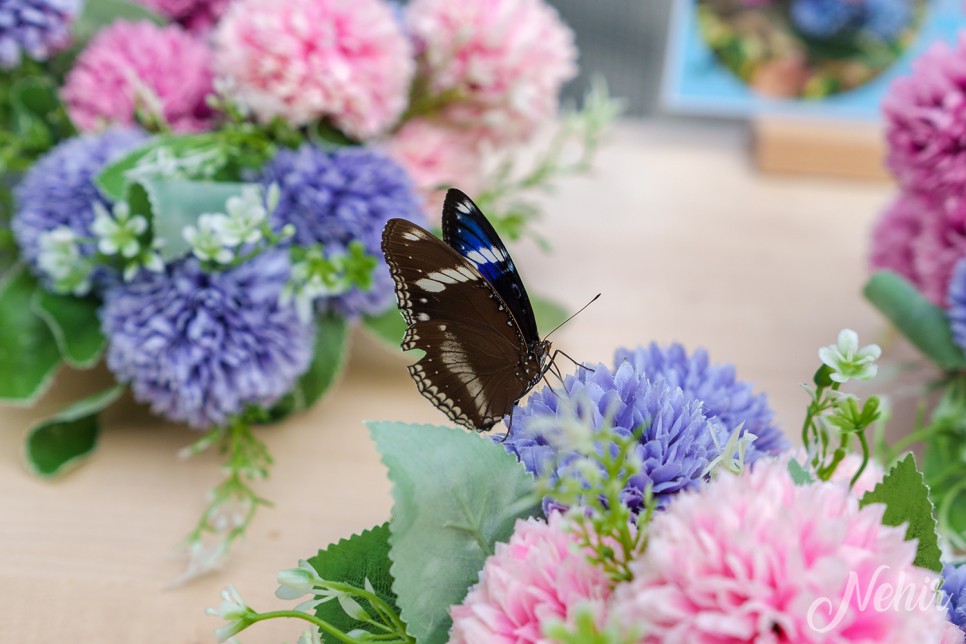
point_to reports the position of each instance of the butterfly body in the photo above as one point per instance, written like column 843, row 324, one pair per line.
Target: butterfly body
column 466, row 308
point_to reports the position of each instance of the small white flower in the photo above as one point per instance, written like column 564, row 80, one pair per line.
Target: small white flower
column 59, row 252
column 309, row 637
column 233, row 610
column 246, row 213
column 118, row 234
column 296, row 582
column 207, row 240
column 847, row 360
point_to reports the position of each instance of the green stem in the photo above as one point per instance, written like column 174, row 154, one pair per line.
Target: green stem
column 865, row 458
column 295, row 614
column 920, row 435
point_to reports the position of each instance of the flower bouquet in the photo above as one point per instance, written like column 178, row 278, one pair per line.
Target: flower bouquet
column 647, row 500
column 194, row 192
column 808, row 48
column 918, row 251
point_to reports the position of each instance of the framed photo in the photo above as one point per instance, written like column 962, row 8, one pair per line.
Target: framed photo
column 738, row 58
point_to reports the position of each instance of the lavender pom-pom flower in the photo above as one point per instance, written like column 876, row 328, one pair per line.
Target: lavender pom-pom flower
column 957, row 304
column 954, row 594
column 59, row 191
column 677, row 445
column 336, row 197
column 34, row 28
column 730, row 401
column 199, row 347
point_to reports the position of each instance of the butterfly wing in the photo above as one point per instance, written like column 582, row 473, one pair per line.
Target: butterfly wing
column 467, row 230
column 475, row 367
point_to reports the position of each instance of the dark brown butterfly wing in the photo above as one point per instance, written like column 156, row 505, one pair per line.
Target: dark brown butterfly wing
column 476, row 365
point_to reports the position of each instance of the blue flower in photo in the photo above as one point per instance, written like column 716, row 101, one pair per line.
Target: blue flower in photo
column 724, row 397
column 36, row 29
column 335, row 197
column 957, row 304
column 887, row 19
column 59, row 190
column 678, row 441
column 199, row 346
column 826, row 18
column 954, row 594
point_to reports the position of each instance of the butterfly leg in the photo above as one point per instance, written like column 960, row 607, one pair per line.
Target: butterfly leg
column 553, row 359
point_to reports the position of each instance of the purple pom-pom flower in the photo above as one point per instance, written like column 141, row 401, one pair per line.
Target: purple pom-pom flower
column 677, row 445
column 957, row 304
column 336, row 197
column 730, row 401
column 954, row 594
column 34, row 28
column 199, row 346
column 59, row 191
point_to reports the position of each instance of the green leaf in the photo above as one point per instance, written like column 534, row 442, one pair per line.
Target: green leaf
column 799, row 475
column 114, row 178
column 74, row 324
column 924, row 324
column 331, row 342
column 176, row 203
column 388, row 327
column 353, row 560
column 456, row 495
column 823, row 376
column 548, row 314
column 100, row 13
column 39, row 118
column 64, row 440
column 28, row 351
column 906, row 497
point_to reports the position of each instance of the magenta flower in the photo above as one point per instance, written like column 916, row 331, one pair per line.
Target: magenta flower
column 504, row 60
column 541, row 574
column 305, row 60
column 137, row 66
column 198, row 16
column 926, row 124
column 756, row 558
column 436, row 157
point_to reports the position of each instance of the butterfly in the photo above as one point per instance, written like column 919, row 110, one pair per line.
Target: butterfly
column 466, row 308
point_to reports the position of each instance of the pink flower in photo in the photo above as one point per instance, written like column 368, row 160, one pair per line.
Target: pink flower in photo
column 756, row 558
column 198, row 16
column 437, row 157
column 925, row 115
column 894, row 231
column 305, row 60
column 503, row 60
column 540, row 575
column 138, row 66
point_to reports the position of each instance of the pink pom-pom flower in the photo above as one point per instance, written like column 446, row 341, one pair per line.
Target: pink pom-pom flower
column 199, row 16
column 925, row 116
column 756, row 558
column 436, row 157
column 305, row 60
column 503, row 62
column 137, row 66
column 540, row 575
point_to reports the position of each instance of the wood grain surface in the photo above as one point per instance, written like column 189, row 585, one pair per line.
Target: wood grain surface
column 683, row 238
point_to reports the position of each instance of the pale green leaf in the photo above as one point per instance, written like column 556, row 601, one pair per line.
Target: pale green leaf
column 74, row 324
column 28, row 351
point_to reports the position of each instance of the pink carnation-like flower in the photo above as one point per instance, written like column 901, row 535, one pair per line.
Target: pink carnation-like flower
column 926, row 124
column 756, row 558
column 436, row 157
column 892, row 235
column 504, row 59
column 952, row 635
column 199, row 16
column 539, row 576
column 131, row 66
column 305, row 60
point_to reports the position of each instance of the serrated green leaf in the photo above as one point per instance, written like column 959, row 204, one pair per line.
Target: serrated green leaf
column 548, row 314
column 360, row 557
column 924, row 324
column 74, row 324
column 906, row 497
column 63, row 441
column 28, row 351
column 799, row 474
column 176, row 203
column 331, row 344
column 388, row 327
column 456, row 495
column 97, row 14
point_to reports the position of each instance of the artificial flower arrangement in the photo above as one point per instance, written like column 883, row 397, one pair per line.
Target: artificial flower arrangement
column 648, row 500
column 918, row 253
column 194, row 192
column 808, row 48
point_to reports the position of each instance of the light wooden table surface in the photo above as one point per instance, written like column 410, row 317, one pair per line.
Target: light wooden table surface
column 683, row 238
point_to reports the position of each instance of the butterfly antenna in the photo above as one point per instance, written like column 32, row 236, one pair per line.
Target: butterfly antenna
column 573, row 316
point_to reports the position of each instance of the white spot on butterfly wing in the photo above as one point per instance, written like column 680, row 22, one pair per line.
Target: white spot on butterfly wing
column 430, row 285
column 410, row 236
column 463, row 207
